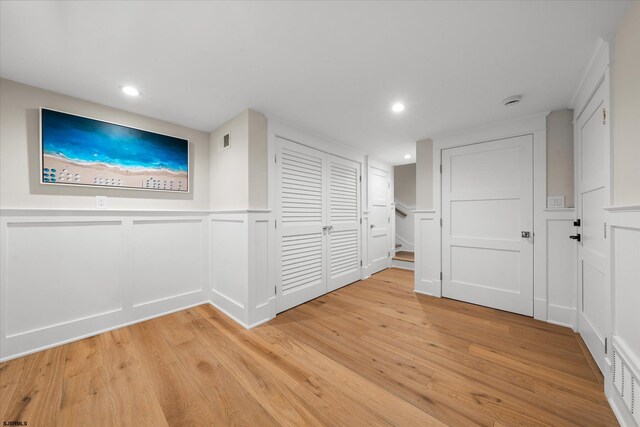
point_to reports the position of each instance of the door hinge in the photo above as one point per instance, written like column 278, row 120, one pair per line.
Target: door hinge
column 604, row 116
column 441, row 276
column 360, row 220
column 275, row 158
column 389, row 220
column 360, row 178
column 275, row 289
column 441, row 169
column 276, row 222
column 605, row 230
column 440, row 222
column 360, row 263
column 605, row 346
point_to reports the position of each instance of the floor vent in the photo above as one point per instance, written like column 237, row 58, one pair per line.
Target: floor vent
column 626, row 380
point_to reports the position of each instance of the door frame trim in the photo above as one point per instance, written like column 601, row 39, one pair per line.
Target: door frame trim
column 535, row 125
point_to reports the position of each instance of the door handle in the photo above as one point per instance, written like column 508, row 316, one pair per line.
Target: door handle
column 576, row 237
column 372, row 225
column 525, row 234
column 576, row 223
column 330, row 229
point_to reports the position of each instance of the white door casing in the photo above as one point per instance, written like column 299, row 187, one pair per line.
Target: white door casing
column 487, row 201
column 379, row 183
column 301, row 216
column 343, row 235
column 594, row 294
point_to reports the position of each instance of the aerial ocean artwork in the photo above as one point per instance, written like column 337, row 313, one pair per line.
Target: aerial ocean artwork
column 82, row 151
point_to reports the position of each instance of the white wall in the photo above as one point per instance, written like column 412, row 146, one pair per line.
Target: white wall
column 626, row 110
column 560, row 155
column 19, row 156
column 424, row 174
column 239, row 173
column 405, row 183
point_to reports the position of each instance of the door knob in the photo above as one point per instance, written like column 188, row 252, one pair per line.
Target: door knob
column 576, row 237
column 525, row 234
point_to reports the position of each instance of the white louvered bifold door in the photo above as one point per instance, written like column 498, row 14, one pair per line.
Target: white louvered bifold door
column 301, row 215
column 343, row 236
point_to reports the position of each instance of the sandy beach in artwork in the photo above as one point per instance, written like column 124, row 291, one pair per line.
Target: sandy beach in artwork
column 61, row 170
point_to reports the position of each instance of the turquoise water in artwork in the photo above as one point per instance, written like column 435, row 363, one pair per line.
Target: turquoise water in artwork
column 93, row 141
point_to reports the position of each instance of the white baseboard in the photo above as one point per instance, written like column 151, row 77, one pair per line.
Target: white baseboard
column 428, row 287
column 563, row 316
column 102, row 331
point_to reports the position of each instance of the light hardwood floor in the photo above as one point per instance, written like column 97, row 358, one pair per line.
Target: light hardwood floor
column 372, row 353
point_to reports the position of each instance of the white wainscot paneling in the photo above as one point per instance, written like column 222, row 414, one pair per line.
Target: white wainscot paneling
column 261, row 269
column 561, row 272
column 427, row 261
column 623, row 385
column 242, row 266
column 167, row 259
column 61, row 279
column 60, row 272
column 66, row 276
column 229, row 264
column 626, row 276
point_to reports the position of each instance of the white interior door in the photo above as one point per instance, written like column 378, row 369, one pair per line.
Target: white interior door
column 487, row 201
column 301, row 214
column 343, row 234
column 593, row 288
column 379, row 246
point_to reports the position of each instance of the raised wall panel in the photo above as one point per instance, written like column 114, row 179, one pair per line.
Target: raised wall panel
column 260, row 258
column 60, row 272
column 626, row 273
column 593, row 294
column 167, row 259
column 229, row 264
column 561, row 271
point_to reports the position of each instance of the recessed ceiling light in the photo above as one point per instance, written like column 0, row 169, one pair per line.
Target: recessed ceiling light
column 407, row 156
column 130, row 90
column 398, row 107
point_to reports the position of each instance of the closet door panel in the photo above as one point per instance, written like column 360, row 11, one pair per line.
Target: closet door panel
column 301, row 212
column 343, row 237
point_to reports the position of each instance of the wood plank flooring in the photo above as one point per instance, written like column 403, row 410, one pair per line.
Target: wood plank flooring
column 372, row 353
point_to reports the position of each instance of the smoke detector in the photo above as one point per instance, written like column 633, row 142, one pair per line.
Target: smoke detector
column 512, row 100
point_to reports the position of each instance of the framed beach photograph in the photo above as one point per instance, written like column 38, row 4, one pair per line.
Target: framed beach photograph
column 77, row 150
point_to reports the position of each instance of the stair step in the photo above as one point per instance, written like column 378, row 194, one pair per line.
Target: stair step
column 404, row 256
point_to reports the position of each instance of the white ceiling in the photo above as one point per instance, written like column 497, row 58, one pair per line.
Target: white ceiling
column 332, row 68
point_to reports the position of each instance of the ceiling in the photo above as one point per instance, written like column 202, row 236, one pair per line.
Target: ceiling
column 331, row 68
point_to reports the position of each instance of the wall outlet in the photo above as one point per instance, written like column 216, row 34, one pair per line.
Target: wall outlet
column 555, row 202
column 101, row 202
